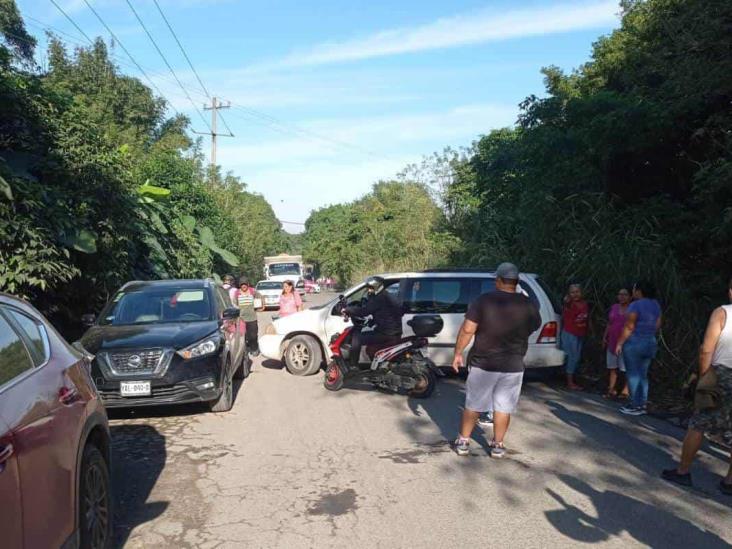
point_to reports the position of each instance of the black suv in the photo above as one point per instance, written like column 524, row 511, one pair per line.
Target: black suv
column 167, row 342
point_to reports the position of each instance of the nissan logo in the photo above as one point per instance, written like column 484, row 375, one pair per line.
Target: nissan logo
column 134, row 361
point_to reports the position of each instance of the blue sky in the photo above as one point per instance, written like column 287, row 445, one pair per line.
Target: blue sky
column 330, row 96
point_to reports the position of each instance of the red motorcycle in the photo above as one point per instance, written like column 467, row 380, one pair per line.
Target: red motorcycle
column 399, row 367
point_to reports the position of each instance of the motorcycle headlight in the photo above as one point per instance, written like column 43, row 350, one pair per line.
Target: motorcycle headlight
column 204, row 347
column 270, row 330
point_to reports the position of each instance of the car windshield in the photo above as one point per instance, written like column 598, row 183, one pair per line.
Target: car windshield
column 269, row 285
column 157, row 305
column 278, row 269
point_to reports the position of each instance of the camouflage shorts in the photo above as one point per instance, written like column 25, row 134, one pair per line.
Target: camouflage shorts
column 717, row 422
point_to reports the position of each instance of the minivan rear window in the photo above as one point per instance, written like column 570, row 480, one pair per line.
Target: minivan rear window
column 437, row 295
column 484, row 285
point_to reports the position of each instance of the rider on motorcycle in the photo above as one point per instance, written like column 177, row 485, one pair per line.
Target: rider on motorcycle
column 387, row 318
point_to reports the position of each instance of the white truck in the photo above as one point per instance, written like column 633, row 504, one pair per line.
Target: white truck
column 284, row 267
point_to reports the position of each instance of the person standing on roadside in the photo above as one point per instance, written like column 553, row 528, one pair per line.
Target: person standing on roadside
column 575, row 316
column 290, row 301
column 229, row 284
column 638, row 345
column 715, row 359
column 501, row 322
column 250, row 302
column 613, row 331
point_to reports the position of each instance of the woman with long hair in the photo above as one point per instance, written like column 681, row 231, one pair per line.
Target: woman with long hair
column 290, row 301
column 638, row 344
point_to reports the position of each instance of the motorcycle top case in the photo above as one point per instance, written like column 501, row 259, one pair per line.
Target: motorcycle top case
column 426, row 325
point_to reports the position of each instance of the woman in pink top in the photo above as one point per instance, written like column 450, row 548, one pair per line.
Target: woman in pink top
column 290, row 301
column 615, row 324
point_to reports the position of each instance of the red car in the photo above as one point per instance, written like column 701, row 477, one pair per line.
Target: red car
column 54, row 439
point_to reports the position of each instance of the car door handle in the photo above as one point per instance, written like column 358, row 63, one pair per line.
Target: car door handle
column 6, row 452
column 67, row 396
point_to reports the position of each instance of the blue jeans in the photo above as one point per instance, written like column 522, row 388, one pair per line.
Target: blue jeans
column 638, row 353
column 572, row 346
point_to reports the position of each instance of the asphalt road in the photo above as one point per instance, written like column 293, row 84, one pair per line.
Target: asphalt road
column 293, row 465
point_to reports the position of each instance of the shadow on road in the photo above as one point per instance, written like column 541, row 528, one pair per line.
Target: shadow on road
column 650, row 525
column 138, row 459
column 444, row 408
column 273, row 364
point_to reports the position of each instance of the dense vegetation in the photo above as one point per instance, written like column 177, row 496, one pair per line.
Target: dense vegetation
column 99, row 186
column 394, row 227
column 622, row 171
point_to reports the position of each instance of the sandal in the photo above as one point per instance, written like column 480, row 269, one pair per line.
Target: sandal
column 610, row 395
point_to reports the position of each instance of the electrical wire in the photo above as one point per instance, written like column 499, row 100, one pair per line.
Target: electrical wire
column 121, row 45
column 165, row 60
column 267, row 120
column 67, row 16
column 182, row 49
column 190, row 63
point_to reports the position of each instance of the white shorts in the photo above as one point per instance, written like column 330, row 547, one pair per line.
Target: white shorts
column 492, row 391
column 615, row 362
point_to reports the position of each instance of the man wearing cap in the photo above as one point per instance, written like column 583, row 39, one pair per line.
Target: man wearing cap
column 501, row 322
column 250, row 302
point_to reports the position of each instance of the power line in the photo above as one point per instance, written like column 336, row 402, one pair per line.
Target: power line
column 182, row 49
column 271, row 122
column 67, row 16
column 188, row 59
column 165, row 60
column 121, row 45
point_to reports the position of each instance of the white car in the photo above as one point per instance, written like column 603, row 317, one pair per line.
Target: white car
column 270, row 290
column 302, row 339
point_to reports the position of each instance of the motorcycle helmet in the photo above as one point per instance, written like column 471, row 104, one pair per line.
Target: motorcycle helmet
column 375, row 283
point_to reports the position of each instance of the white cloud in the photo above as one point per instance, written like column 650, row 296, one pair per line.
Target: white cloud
column 299, row 174
column 460, row 30
column 369, row 136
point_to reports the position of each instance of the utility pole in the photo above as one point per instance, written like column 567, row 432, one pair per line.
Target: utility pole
column 215, row 106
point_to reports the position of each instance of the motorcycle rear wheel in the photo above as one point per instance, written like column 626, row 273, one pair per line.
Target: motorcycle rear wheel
column 333, row 380
column 426, row 383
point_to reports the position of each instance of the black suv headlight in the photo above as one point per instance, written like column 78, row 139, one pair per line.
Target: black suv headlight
column 206, row 346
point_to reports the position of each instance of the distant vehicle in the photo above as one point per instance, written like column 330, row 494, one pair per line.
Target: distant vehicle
column 302, row 339
column 284, row 267
column 271, row 290
column 312, row 287
column 168, row 342
column 54, row 438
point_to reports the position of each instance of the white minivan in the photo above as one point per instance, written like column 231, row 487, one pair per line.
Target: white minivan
column 302, row 339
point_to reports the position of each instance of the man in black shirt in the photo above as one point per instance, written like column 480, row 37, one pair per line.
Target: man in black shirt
column 501, row 322
column 387, row 318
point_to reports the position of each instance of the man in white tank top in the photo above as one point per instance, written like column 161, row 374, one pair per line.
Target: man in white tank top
column 715, row 353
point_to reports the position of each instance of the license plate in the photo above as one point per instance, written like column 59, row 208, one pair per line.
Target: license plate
column 134, row 388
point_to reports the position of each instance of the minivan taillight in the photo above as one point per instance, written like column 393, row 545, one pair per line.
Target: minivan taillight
column 548, row 333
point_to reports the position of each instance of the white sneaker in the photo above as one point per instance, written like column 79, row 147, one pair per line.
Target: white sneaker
column 498, row 450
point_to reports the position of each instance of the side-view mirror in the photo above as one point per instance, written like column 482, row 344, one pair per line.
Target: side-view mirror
column 231, row 313
column 88, row 320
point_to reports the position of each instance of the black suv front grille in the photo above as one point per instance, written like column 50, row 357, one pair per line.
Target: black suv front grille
column 137, row 362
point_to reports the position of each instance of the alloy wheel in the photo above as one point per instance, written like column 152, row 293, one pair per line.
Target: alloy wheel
column 300, row 356
column 96, row 506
